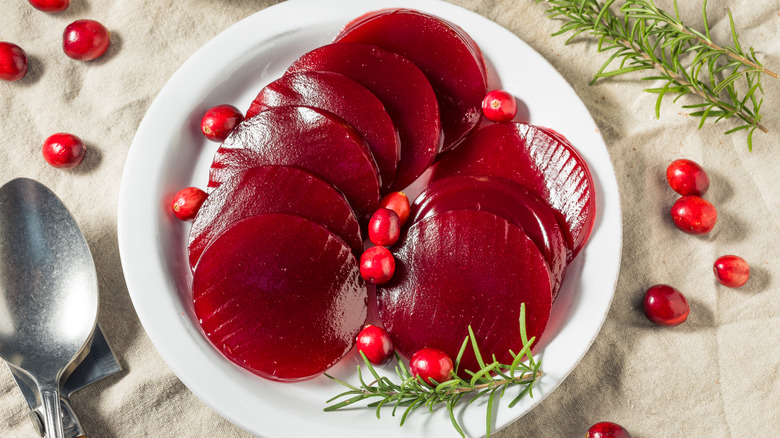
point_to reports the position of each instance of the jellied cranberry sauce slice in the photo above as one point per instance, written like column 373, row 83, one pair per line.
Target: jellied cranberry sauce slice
column 450, row 59
column 528, row 155
column 345, row 98
column 505, row 199
column 312, row 139
column 465, row 268
column 280, row 296
column 273, row 189
column 403, row 89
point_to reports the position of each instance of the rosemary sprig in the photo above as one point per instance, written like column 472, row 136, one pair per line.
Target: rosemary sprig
column 686, row 61
column 491, row 380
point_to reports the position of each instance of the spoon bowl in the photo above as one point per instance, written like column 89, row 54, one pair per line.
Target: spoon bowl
column 48, row 290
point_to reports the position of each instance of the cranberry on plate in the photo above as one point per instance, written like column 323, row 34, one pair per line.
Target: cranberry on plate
column 13, row 62
column 85, row 40
column 219, row 121
column 499, row 106
column 431, row 365
column 376, row 344
column 187, row 203
column 687, row 178
column 377, row 265
column 731, row 270
column 399, row 203
column 64, row 151
column 384, row 227
column 50, row 5
column 665, row 305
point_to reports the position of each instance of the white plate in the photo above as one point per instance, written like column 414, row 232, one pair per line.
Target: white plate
column 169, row 153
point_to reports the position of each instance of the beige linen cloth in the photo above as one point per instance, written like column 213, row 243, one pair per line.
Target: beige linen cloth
column 717, row 375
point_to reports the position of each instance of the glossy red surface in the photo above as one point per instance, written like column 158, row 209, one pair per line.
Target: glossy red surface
column 665, row 305
column 13, row 62
column 384, row 228
column 85, row 40
column 280, row 296
column 50, row 5
column 64, row 151
column 432, row 365
column 605, row 429
column 376, row 344
column 218, row 121
column 187, row 203
column 345, row 98
column 686, row 177
column 505, row 199
column 694, row 215
column 530, row 156
column 499, row 106
column 399, row 203
column 450, row 59
column 461, row 268
column 273, row 189
column 312, row 139
column 403, row 89
column 377, row 265
column 731, row 271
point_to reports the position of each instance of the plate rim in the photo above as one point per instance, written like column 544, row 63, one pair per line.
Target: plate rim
column 128, row 221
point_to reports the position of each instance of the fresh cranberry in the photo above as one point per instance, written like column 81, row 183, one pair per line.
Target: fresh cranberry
column 665, row 305
column 85, row 40
column 499, row 106
column 13, row 62
column 376, row 344
column 431, row 364
column 377, row 265
column 384, row 227
column 64, row 151
column 219, row 121
column 687, row 178
column 399, row 203
column 50, row 5
column 605, row 429
column 187, row 202
column 694, row 215
column 732, row 271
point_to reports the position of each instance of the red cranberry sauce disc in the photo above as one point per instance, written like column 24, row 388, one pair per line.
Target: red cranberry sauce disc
column 273, row 189
column 505, row 199
column 403, row 89
column 448, row 57
column 461, row 268
column 528, row 155
column 280, row 296
column 312, row 139
column 345, row 98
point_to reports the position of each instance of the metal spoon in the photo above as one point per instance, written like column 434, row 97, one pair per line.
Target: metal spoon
column 48, row 290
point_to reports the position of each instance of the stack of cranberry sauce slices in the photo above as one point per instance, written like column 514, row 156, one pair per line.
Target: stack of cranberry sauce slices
column 276, row 285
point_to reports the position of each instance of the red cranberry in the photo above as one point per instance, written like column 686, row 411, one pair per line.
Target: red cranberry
column 665, row 305
column 687, row 178
column 732, row 271
column 499, row 106
column 50, row 5
column 384, row 227
column 85, row 40
column 431, row 364
column 376, row 344
column 187, row 202
column 219, row 121
column 64, row 151
column 605, row 429
column 694, row 215
column 377, row 265
column 13, row 62
column 399, row 203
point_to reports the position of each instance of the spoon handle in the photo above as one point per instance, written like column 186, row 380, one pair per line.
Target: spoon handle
column 53, row 412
